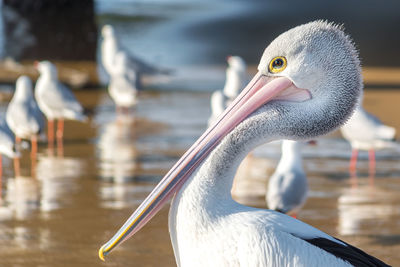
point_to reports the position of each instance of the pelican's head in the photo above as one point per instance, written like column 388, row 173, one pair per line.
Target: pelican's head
column 46, row 68
column 318, row 58
column 308, row 83
column 107, row 31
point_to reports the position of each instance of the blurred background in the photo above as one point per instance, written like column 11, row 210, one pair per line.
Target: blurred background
column 63, row 211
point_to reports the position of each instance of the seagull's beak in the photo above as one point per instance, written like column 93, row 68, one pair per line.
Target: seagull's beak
column 259, row 91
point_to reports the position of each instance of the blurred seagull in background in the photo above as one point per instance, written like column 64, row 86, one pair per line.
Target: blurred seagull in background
column 110, row 46
column 7, row 148
column 56, row 101
column 288, row 186
column 236, row 79
column 24, row 118
column 364, row 131
column 124, row 84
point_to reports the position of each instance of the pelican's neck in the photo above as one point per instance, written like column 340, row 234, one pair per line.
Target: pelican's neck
column 209, row 187
column 291, row 156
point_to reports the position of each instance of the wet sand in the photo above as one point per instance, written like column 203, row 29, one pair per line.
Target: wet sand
column 75, row 203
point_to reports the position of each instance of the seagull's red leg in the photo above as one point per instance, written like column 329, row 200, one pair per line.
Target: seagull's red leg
column 60, row 135
column 1, row 178
column 16, row 159
column 353, row 162
column 294, row 215
column 372, row 164
column 33, row 147
column 50, row 135
column 33, row 154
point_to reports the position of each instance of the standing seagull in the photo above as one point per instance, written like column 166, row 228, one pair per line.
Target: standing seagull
column 366, row 132
column 236, row 78
column 123, row 85
column 308, row 83
column 24, row 118
column 288, row 187
column 56, row 102
column 110, row 46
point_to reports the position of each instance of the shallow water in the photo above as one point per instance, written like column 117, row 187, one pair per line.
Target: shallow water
column 73, row 204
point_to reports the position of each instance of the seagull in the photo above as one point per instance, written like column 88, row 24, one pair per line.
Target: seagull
column 364, row 131
column 7, row 148
column 308, row 83
column 236, row 78
column 24, row 117
column 110, row 46
column 123, row 87
column 56, row 101
column 288, row 187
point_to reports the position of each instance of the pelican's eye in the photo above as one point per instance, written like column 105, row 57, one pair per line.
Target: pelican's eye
column 277, row 64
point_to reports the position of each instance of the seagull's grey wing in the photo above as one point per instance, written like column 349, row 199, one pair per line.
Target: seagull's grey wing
column 287, row 191
column 37, row 115
column 380, row 130
column 7, row 141
column 131, row 77
column 346, row 252
column 364, row 126
column 69, row 99
column 143, row 67
column 21, row 119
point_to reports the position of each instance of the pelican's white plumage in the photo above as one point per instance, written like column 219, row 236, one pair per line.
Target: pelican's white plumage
column 207, row 227
column 123, row 85
column 23, row 115
column 236, row 78
column 288, row 186
column 55, row 100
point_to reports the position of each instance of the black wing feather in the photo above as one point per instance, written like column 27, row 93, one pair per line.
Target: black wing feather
column 349, row 253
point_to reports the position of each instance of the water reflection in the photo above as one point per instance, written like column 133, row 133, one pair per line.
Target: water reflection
column 23, row 196
column 57, row 176
column 363, row 208
column 45, row 192
column 117, row 149
column 128, row 195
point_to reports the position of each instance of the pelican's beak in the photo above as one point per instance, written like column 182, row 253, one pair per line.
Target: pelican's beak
column 259, row 91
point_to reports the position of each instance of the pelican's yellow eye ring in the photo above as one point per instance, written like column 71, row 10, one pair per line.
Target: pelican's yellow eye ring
column 277, row 64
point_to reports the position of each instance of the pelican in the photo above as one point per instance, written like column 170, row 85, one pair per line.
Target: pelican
column 24, row 117
column 110, row 46
column 364, row 131
column 236, row 76
column 288, row 187
column 123, row 85
column 307, row 84
column 56, row 102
